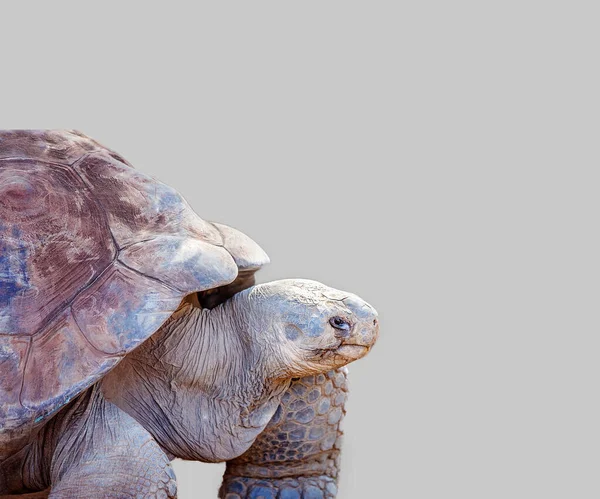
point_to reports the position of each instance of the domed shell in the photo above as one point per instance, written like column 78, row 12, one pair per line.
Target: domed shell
column 94, row 257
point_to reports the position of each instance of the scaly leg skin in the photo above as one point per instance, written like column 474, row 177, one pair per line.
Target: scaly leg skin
column 297, row 455
column 102, row 452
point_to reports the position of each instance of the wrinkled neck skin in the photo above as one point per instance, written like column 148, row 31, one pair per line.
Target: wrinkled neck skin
column 200, row 385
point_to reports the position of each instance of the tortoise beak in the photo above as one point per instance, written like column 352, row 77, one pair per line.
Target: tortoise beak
column 365, row 331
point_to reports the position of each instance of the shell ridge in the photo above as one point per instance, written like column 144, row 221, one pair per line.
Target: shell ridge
column 59, row 310
column 147, row 240
column 23, row 371
column 102, row 352
column 222, row 236
column 140, row 273
column 96, row 201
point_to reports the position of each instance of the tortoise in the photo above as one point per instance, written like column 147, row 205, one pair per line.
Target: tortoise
column 133, row 332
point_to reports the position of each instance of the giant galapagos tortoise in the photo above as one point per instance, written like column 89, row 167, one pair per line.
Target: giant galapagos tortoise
column 132, row 332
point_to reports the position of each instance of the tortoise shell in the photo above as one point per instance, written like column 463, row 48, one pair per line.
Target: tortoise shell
column 94, row 257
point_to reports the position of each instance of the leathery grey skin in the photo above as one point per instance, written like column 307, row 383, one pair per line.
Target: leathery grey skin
column 243, row 382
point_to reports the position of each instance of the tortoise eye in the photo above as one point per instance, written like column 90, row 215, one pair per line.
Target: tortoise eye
column 340, row 323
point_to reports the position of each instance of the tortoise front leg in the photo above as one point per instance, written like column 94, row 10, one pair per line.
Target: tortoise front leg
column 103, row 452
column 297, row 456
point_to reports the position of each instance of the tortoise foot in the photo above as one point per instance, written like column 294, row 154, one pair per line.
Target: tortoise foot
column 305, row 487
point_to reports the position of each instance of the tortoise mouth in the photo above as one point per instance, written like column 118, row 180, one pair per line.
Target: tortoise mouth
column 348, row 351
column 352, row 350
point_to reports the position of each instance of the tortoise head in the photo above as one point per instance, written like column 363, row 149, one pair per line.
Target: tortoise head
column 311, row 327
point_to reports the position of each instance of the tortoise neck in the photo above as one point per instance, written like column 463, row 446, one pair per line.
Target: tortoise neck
column 221, row 352
column 200, row 372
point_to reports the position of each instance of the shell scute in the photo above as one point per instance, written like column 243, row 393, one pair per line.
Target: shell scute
column 51, row 245
column 62, row 357
column 186, row 264
column 13, row 352
column 247, row 254
column 121, row 309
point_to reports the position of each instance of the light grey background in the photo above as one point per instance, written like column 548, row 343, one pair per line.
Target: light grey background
column 438, row 158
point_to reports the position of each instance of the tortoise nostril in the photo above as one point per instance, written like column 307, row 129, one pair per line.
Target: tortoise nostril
column 374, row 322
